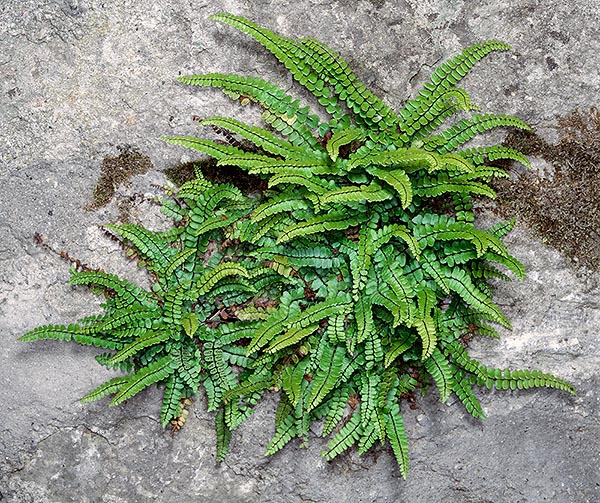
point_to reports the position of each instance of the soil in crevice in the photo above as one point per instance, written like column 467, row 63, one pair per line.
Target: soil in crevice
column 233, row 175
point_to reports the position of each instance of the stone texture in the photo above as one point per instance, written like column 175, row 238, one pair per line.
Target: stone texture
column 79, row 79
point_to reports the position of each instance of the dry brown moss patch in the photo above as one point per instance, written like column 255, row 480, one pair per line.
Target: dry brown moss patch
column 563, row 208
column 116, row 170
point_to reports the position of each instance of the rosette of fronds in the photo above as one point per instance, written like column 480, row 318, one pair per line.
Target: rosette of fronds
column 355, row 279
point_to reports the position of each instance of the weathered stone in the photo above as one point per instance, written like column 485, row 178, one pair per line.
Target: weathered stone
column 81, row 78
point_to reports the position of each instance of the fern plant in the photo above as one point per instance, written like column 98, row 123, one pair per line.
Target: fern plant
column 356, row 279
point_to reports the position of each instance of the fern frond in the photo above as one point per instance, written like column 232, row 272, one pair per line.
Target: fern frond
column 209, row 147
column 260, row 137
column 398, row 179
column 223, row 436
column 330, row 370
column 465, row 394
column 290, row 337
column 56, row 332
column 171, row 405
column 210, row 278
column 467, row 129
column 278, row 204
column 146, row 340
column 335, row 220
column 368, row 392
column 396, row 434
column 336, row 407
column 403, row 158
column 351, row 193
column 368, row 108
column 220, row 373
column 177, row 262
column 460, row 282
column 125, row 293
column 426, row 329
column 105, row 389
column 441, row 183
column 146, row 243
column 246, row 388
column 398, row 347
column 363, row 314
column 480, row 155
column 371, row 433
column 292, row 379
column 447, row 75
column 438, row 367
column 154, row 372
column 283, row 434
column 345, row 438
column 282, row 112
column 341, row 138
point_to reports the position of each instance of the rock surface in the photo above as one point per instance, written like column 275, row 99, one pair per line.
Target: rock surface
column 81, row 79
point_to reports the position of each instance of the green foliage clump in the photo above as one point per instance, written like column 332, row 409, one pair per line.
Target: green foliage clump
column 355, row 279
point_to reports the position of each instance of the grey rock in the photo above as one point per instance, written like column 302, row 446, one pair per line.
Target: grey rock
column 79, row 78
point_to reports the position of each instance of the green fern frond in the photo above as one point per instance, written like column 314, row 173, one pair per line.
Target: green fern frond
column 282, row 112
column 125, row 293
column 283, row 434
column 467, row 129
column 367, row 108
column 146, row 376
column 146, row 243
column 144, row 341
column 334, row 220
column 441, row 183
column 220, row 373
column 443, row 79
column 260, row 137
column 210, row 278
column 291, row 337
column 369, row 193
column 246, row 388
column 105, row 389
column 438, row 367
column 208, row 147
column 398, row 179
column 480, row 155
column 223, row 436
column 345, row 438
column 368, row 392
column 171, row 405
column 278, row 204
column 398, row 347
column 341, row 138
column 465, row 394
column 396, row 434
column 56, row 332
column 292, row 379
column 327, row 376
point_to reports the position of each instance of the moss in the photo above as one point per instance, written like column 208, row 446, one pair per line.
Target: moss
column 563, row 209
column 183, row 172
column 116, row 171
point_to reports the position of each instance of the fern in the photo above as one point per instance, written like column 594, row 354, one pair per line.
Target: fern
column 345, row 438
column 156, row 371
column 347, row 285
